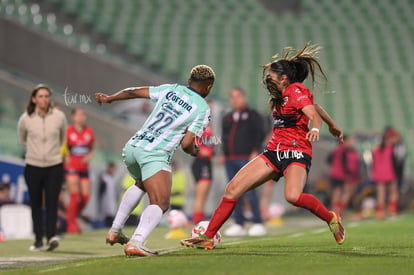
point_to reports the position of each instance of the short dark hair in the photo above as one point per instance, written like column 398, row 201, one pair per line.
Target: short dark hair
column 110, row 164
column 73, row 111
column 240, row 89
column 4, row 185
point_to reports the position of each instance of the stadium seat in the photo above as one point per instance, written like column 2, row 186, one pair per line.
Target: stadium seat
column 364, row 44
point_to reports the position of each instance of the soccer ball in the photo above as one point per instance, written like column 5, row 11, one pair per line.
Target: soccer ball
column 201, row 227
column 177, row 219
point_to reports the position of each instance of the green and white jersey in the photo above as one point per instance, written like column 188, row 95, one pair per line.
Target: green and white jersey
column 178, row 109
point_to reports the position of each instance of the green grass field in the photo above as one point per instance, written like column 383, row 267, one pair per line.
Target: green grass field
column 302, row 246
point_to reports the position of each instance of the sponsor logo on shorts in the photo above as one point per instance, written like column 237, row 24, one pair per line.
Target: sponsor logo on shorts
column 289, row 154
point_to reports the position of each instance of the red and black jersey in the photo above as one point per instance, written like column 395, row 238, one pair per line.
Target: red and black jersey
column 79, row 144
column 291, row 124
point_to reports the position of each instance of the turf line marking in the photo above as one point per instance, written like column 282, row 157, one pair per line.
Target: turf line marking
column 53, row 269
column 353, row 224
column 236, row 242
column 169, row 250
column 296, row 235
column 319, row 231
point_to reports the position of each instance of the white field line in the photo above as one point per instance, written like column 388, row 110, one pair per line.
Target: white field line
column 53, row 269
column 174, row 249
column 319, row 231
column 296, row 235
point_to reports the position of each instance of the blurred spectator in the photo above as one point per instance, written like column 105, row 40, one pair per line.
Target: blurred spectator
column 80, row 143
column 242, row 137
column 344, row 173
column 383, row 174
column 108, row 195
column 179, row 183
column 202, row 172
column 42, row 131
column 399, row 155
column 5, row 194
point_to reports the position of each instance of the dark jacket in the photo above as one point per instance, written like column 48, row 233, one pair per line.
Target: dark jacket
column 241, row 137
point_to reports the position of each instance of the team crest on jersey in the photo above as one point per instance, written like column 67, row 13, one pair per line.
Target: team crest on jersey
column 298, row 91
column 244, row 116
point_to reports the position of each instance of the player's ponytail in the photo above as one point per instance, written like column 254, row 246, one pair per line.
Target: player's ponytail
column 296, row 65
column 306, row 61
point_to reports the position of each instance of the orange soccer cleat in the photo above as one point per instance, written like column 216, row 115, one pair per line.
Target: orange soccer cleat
column 336, row 228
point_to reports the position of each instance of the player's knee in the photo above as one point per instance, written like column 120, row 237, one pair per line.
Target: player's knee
column 291, row 197
column 163, row 203
column 232, row 191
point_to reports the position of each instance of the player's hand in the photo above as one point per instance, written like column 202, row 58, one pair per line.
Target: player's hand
column 312, row 136
column 337, row 132
column 102, row 98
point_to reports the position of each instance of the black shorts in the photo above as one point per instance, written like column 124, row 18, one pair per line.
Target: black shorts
column 280, row 161
column 201, row 169
column 80, row 174
column 337, row 183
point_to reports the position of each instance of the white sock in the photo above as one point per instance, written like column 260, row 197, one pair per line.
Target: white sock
column 129, row 201
column 150, row 218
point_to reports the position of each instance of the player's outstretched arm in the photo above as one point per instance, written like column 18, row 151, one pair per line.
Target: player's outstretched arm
column 128, row 93
column 333, row 128
column 312, row 114
column 188, row 144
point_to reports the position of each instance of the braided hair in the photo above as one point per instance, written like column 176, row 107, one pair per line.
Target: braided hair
column 296, row 65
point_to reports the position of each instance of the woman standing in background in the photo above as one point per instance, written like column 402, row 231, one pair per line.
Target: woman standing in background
column 383, row 174
column 343, row 173
column 41, row 131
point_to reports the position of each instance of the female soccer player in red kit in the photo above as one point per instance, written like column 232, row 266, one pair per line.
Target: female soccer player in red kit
column 80, row 143
column 289, row 152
